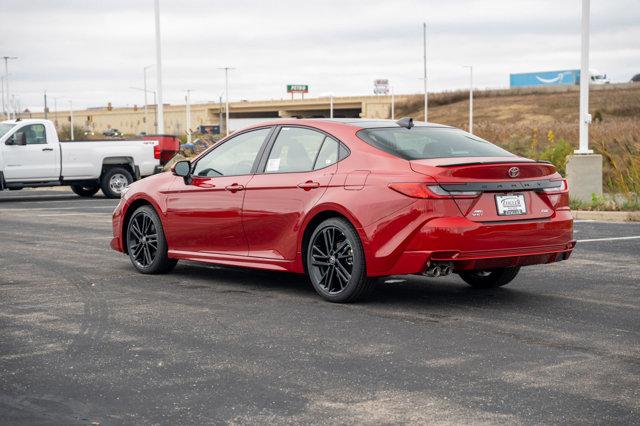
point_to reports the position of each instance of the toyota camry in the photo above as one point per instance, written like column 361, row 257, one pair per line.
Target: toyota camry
column 344, row 201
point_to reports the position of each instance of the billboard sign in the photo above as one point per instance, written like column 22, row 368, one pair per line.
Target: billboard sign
column 545, row 78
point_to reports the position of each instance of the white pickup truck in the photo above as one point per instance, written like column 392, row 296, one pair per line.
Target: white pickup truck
column 31, row 155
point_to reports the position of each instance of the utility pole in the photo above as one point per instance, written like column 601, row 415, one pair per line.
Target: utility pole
column 159, row 106
column 71, row 116
column 146, row 117
column 424, row 43
column 226, row 96
column 585, row 117
column 188, row 127
column 6, row 78
column 470, row 96
column 46, row 113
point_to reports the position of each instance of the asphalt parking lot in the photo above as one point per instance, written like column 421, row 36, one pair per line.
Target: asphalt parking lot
column 83, row 338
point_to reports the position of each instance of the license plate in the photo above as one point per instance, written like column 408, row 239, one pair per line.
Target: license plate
column 512, row 204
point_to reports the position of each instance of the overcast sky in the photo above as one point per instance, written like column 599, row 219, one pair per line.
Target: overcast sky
column 92, row 51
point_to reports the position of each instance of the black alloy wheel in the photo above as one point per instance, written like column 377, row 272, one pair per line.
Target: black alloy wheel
column 146, row 244
column 336, row 263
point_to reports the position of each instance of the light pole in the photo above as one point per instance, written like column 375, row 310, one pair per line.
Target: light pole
column 187, row 99
column 154, row 101
column 393, row 104
column 159, row 107
column 424, row 56
column 226, row 96
column 585, row 118
column 2, row 88
column 46, row 112
column 470, row 96
column 6, row 77
column 331, row 105
column 71, row 116
column 146, row 117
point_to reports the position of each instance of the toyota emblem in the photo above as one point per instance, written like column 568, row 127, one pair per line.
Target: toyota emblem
column 514, row 172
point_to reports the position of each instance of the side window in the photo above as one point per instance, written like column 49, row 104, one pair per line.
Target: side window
column 295, row 150
column 234, row 157
column 34, row 134
column 328, row 154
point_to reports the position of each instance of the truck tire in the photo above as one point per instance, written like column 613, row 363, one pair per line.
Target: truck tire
column 114, row 180
column 85, row 191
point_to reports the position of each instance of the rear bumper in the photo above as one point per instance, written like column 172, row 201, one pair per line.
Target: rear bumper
column 477, row 245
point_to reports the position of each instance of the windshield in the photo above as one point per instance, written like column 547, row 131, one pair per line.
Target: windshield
column 5, row 127
column 421, row 143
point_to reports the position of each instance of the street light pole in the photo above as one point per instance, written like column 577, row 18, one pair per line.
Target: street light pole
column 146, row 117
column 226, row 96
column 585, row 118
column 71, row 116
column 393, row 104
column 159, row 106
column 470, row 96
column 331, row 105
column 6, row 77
column 46, row 112
column 424, row 56
column 188, row 127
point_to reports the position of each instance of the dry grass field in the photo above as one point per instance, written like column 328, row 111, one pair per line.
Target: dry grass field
column 542, row 123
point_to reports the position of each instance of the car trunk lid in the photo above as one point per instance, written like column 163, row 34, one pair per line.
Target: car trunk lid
column 508, row 188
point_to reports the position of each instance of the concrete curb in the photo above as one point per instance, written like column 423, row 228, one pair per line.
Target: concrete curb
column 606, row 216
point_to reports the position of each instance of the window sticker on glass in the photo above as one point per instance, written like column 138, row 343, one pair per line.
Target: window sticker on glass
column 273, row 165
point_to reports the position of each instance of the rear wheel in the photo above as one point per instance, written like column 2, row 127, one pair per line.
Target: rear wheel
column 490, row 278
column 335, row 262
column 146, row 244
column 114, row 181
column 85, row 191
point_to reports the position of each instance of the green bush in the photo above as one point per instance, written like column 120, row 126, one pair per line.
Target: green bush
column 557, row 153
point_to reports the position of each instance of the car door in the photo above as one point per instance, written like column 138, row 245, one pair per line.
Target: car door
column 292, row 178
column 204, row 212
column 36, row 160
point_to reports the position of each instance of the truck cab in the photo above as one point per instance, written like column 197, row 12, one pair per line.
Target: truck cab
column 31, row 155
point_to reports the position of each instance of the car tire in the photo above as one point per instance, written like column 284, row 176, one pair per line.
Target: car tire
column 491, row 278
column 335, row 262
column 85, row 191
column 114, row 180
column 146, row 243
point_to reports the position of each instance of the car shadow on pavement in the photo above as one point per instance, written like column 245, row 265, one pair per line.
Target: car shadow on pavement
column 394, row 290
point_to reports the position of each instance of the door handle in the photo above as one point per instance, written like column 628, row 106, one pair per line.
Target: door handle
column 309, row 185
column 47, row 149
column 234, row 187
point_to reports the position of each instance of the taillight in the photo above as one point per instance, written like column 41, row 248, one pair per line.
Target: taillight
column 156, row 152
column 423, row 190
column 558, row 189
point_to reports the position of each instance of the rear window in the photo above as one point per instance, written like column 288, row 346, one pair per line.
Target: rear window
column 421, row 143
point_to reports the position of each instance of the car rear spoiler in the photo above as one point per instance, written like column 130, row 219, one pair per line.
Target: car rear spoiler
column 474, row 163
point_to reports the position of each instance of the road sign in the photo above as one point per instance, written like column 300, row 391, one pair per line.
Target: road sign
column 297, row 88
column 381, row 86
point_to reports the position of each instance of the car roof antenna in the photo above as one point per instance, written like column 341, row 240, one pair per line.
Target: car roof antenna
column 406, row 122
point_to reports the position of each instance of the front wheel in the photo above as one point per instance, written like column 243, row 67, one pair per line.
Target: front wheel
column 114, row 181
column 490, row 278
column 85, row 191
column 146, row 244
column 335, row 262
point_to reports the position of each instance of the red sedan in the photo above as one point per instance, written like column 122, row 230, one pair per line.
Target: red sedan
column 347, row 200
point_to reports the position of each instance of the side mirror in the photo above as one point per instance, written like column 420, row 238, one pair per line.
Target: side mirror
column 182, row 168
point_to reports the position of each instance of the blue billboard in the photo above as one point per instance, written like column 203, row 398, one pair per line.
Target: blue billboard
column 545, row 78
